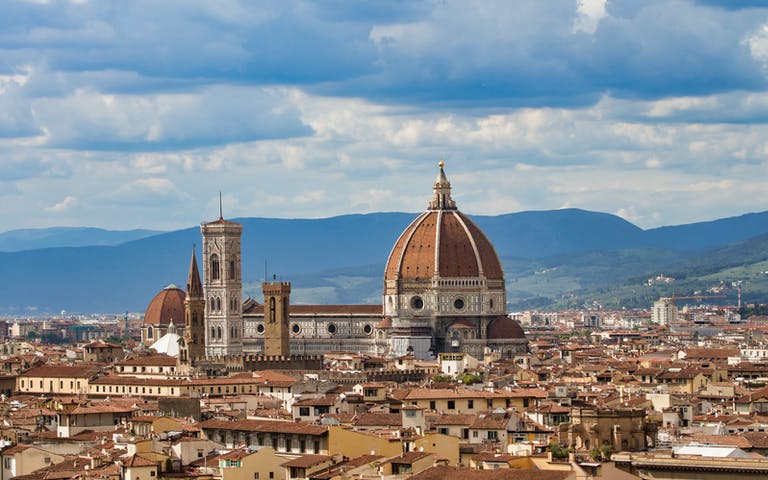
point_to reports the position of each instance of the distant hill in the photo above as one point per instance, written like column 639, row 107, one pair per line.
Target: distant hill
column 35, row 238
column 548, row 256
column 707, row 235
column 712, row 274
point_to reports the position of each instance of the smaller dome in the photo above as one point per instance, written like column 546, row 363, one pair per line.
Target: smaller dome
column 166, row 306
column 504, row 328
column 167, row 345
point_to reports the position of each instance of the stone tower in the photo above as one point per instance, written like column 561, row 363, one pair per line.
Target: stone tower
column 222, row 287
column 192, row 345
column 277, row 340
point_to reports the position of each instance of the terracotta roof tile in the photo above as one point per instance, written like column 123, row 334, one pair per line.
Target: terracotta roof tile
column 441, row 473
column 267, row 426
column 60, row 371
column 306, row 461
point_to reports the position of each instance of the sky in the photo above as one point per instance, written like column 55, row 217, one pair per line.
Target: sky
column 136, row 114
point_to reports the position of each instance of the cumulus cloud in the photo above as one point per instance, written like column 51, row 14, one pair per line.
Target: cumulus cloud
column 146, row 191
column 590, row 12
column 66, row 204
column 215, row 115
column 448, row 52
column 657, row 109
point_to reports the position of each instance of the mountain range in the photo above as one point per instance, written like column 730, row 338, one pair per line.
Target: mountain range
column 551, row 259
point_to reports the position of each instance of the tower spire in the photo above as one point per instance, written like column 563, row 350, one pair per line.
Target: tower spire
column 194, row 286
column 221, row 209
column 441, row 200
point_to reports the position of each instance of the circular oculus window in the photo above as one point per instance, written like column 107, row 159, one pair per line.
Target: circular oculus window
column 417, row 303
column 367, row 329
column 260, row 329
column 458, row 304
column 296, row 328
column 331, row 328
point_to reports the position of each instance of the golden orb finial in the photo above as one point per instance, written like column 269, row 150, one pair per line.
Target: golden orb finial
column 441, row 164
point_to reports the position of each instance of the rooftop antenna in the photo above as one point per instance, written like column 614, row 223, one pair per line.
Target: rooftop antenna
column 221, row 210
column 265, row 271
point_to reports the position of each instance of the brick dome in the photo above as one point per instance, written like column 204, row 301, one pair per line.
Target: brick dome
column 443, row 243
column 166, row 306
column 503, row 328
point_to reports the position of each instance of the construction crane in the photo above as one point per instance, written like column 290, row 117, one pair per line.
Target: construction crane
column 687, row 297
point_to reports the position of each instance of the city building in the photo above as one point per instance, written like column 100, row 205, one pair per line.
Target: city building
column 664, row 311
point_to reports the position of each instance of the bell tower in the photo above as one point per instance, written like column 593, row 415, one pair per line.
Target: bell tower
column 277, row 340
column 192, row 344
column 222, row 287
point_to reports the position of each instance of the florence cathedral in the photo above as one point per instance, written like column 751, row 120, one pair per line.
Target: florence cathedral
column 443, row 291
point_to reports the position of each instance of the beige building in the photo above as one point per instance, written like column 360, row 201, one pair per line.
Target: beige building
column 190, row 449
column 148, row 366
column 282, row 436
column 306, row 466
column 102, row 352
column 54, row 379
column 25, row 459
column 618, row 429
column 354, row 444
column 263, row 464
column 99, row 418
column 138, row 467
column 111, row 385
column 465, row 400
column 273, row 384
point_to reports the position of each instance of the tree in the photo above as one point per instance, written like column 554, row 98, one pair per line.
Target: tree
column 558, row 451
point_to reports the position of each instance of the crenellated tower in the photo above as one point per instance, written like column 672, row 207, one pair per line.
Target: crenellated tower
column 277, row 340
column 222, row 287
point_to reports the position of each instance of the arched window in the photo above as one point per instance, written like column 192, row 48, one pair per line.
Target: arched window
column 218, row 331
column 215, row 273
column 213, row 332
column 149, row 332
column 271, row 309
column 232, row 271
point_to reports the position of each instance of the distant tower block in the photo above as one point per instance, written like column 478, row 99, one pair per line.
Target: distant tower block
column 223, row 287
column 277, row 340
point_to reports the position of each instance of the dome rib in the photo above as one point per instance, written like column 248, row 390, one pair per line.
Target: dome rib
column 472, row 242
column 487, row 255
column 437, row 242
